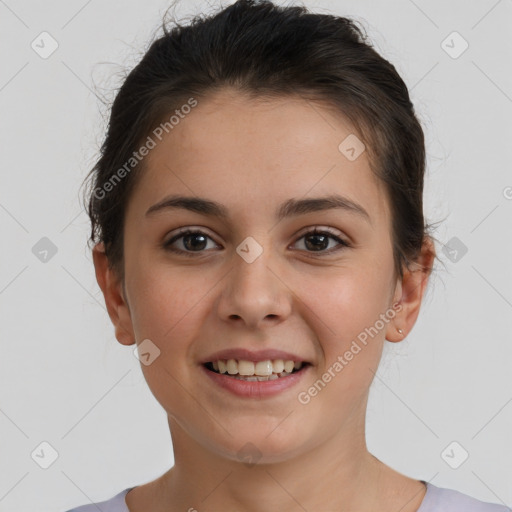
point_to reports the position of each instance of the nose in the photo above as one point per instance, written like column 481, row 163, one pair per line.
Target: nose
column 254, row 294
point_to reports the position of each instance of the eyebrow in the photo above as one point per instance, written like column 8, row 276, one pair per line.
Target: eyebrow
column 289, row 208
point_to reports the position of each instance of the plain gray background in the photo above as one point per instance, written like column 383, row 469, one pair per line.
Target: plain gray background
column 66, row 381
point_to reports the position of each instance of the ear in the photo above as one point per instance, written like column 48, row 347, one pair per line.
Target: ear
column 409, row 292
column 112, row 289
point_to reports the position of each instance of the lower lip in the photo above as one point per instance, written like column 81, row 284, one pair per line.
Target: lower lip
column 256, row 389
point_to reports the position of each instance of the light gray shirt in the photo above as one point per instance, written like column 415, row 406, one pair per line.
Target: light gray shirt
column 436, row 499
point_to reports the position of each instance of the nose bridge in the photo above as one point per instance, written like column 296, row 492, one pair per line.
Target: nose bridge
column 251, row 270
column 253, row 292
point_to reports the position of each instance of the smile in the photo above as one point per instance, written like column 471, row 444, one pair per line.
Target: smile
column 255, row 370
column 255, row 379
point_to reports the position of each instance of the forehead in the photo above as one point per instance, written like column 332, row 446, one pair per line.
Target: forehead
column 244, row 151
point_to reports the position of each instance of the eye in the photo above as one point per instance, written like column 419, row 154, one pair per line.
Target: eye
column 318, row 241
column 193, row 241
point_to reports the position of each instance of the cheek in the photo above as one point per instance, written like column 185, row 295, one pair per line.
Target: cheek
column 348, row 309
column 167, row 301
column 347, row 301
column 166, row 311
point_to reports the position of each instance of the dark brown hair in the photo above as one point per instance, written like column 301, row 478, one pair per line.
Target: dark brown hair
column 264, row 50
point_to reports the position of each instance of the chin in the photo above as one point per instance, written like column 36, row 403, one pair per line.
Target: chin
column 259, row 447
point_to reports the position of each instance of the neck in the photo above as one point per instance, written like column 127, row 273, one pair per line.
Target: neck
column 339, row 474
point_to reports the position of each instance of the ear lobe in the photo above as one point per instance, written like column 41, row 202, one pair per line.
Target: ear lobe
column 409, row 292
column 111, row 287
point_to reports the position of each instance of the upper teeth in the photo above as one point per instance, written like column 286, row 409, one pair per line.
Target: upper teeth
column 261, row 368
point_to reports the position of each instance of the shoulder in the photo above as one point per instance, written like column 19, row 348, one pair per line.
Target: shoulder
column 438, row 499
column 115, row 504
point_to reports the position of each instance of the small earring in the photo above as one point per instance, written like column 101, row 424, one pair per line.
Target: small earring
column 400, row 330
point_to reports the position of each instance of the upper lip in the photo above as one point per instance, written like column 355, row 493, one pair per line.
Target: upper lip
column 252, row 355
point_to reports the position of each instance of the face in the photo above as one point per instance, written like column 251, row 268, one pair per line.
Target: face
column 254, row 286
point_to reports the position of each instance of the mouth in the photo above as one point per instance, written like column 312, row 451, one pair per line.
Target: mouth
column 255, row 371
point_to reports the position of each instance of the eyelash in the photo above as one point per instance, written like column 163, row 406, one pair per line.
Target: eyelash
column 315, row 231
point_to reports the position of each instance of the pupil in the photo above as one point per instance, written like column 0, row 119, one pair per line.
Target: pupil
column 188, row 237
column 324, row 245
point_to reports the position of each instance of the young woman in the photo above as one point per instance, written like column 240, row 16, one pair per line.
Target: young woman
column 257, row 214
